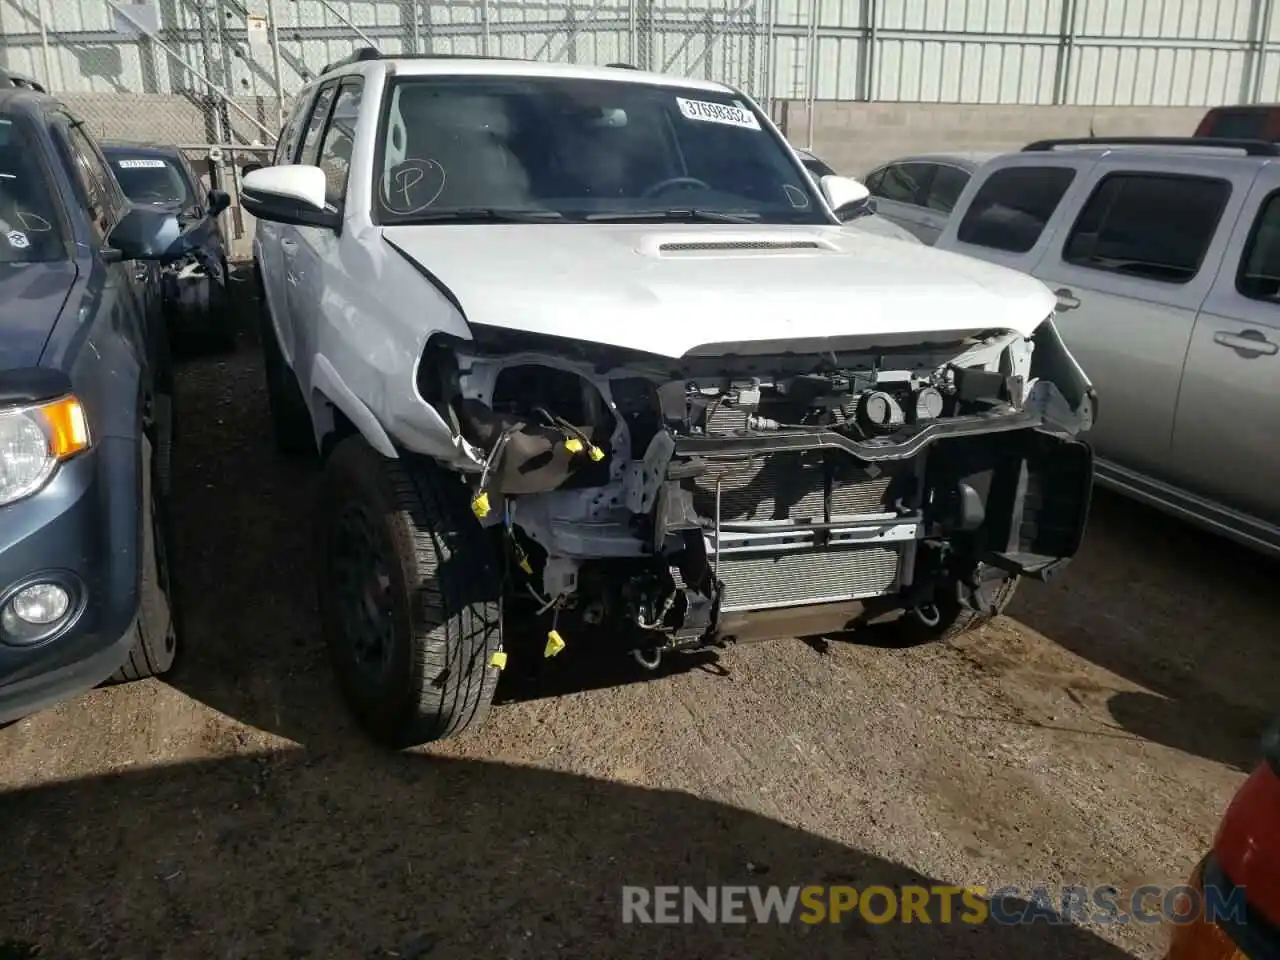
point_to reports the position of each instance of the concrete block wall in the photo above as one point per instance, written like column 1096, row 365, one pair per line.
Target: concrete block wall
column 855, row 137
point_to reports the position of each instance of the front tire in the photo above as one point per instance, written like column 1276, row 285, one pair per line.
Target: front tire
column 410, row 599
column 157, row 633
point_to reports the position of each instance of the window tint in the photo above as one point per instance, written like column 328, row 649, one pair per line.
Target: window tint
column 1156, row 226
column 1259, row 274
column 905, row 182
column 945, row 188
column 1012, row 207
column 97, row 187
column 287, row 143
column 1243, row 124
column 30, row 223
column 319, row 114
column 335, row 150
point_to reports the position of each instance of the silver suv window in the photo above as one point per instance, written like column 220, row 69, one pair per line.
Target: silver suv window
column 1013, row 206
column 1259, row 276
column 1150, row 225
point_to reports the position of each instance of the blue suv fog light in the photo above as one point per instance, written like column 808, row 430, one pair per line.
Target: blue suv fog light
column 35, row 612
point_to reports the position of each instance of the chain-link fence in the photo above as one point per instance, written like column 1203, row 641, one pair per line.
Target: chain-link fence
column 202, row 73
column 218, row 71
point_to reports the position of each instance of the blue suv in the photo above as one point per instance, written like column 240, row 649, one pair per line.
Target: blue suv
column 86, row 414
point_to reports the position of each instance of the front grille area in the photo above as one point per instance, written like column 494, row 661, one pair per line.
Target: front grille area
column 759, row 581
column 787, row 486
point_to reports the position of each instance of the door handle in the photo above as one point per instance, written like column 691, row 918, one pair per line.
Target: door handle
column 140, row 270
column 288, row 246
column 1066, row 299
column 1247, row 343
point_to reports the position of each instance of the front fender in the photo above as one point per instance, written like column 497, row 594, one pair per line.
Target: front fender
column 327, row 387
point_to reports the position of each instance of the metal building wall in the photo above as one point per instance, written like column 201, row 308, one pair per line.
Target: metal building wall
column 1090, row 52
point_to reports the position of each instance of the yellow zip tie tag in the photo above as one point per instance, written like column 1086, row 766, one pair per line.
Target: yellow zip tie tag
column 522, row 560
column 554, row 644
column 595, row 453
column 480, row 505
column 573, row 445
column 499, row 660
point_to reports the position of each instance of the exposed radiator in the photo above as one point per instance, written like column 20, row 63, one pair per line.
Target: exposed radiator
column 785, row 486
column 757, row 581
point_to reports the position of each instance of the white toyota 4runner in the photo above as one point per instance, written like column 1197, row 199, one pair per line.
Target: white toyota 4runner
column 586, row 352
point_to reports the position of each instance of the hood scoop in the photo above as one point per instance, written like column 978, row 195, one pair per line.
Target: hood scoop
column 710, row 246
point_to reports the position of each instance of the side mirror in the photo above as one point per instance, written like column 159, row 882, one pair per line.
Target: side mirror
column 290, row 193
column 847, row 197
column 248, row 168
column 217, row 201
column 146, row 233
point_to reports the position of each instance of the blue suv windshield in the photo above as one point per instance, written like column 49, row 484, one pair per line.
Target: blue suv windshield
column 30, row 224
column 578, row 149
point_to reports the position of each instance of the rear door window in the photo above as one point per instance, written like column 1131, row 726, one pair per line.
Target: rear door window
column 1151, row 225
column 945, row 188
column 1259, row 275
column 905, row 182
column 1013, row 206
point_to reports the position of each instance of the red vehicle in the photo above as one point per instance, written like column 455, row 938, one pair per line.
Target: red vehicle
column 1259, row 121
column 1245, row 854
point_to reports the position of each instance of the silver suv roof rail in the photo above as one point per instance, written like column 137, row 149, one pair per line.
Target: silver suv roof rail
column 1254, row 148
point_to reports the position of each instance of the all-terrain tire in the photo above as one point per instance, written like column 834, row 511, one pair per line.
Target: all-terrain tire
column 440, row 607
column 158, row 629
column 290, row 416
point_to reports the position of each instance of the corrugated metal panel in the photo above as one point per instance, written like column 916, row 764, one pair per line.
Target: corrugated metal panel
column 1101, row 52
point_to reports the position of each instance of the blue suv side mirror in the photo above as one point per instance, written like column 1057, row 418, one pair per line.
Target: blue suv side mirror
column 146, row 233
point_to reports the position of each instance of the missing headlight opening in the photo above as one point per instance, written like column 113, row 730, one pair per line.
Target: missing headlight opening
column 682, row 503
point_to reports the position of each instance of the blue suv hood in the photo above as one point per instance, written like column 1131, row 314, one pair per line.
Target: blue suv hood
column 31, row 299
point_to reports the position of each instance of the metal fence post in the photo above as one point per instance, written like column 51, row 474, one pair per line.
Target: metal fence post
column 1262, row 10
column 1066, row 43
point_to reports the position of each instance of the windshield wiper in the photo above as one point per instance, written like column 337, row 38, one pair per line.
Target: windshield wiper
column 482, row 215
column 685, row 214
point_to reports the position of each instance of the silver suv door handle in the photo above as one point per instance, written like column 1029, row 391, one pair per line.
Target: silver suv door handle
column 1247, row 343
column 1066, row 299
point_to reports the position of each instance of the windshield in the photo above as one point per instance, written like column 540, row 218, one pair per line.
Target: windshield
column 150, row 179
column 30, row 226
column 579, row 150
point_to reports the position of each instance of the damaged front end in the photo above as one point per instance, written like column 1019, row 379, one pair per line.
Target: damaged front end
column 685, row 502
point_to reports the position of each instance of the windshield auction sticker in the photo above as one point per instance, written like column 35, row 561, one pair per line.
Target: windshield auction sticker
column 140, row 163
column 718, row 113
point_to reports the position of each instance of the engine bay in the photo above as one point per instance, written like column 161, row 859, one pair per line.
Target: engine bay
column 668, row 499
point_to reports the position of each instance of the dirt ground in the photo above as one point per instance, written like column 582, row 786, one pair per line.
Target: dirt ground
column 1093, row 736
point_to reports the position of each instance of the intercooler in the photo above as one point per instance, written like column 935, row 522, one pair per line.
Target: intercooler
column 792, row 529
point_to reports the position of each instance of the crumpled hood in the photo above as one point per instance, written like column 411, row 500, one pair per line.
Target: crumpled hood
column 31, row 299
column 667, row 289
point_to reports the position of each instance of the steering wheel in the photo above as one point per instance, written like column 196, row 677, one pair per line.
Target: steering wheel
column 662, row 185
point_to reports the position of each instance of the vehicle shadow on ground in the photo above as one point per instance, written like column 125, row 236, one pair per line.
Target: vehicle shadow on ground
column 1188, row 616
column 243, row 525
column 364, row 854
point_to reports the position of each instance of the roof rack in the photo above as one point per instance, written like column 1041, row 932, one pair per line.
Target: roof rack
column 373, row 53
column 361, row 54
column 1254, row 148
column 9, row 78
